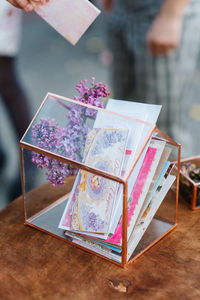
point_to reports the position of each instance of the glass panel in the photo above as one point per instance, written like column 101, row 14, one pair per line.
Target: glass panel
column 40, row 191
column 84, row 208
column 190, row 176
column 84, row 134
column 152, row 200
column 198, row 196
column 186, row 189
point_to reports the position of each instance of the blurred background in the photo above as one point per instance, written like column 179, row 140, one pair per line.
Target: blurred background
column 48, row 63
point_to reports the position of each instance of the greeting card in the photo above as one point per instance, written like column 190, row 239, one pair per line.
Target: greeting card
column 138, row 188
column 92, row 199
column 155, row 204
column 71, row 18
column 158, row 176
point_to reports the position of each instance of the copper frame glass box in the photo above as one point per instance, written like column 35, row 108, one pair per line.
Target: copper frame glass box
column 189, row 189
column 49, row 172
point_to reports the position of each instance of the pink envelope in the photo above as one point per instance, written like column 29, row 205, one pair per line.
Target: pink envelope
column 71, row 18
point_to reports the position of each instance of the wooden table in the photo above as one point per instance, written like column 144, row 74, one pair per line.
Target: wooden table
column 34, row 265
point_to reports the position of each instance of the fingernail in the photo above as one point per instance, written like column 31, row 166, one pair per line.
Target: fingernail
column 28, row 8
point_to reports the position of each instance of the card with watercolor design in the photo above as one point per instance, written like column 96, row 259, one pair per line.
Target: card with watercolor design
column 116, row 237
column 139, row 190
column 157, row 200
column 71, row 18
column 158, row 176
column 92, row 199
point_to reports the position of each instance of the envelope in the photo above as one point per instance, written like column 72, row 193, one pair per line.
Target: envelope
column 71, row 18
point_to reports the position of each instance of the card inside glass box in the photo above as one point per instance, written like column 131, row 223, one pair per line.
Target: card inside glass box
column 109, row 173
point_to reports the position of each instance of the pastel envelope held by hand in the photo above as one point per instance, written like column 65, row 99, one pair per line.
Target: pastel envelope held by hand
column 71, row 18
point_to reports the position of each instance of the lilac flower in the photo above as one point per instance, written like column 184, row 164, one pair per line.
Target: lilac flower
column 91, row 221
column 69, row 141
column 106, row 140
column 92, row 95
column 45, row 134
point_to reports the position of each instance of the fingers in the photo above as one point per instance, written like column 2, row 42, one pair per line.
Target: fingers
column 42, row 2
column 23, row 4
column 164, row 35
column 27, row 5
column 159, row 49
column 14, row 3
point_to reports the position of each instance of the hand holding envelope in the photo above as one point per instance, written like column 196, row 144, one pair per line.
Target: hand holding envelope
column 27, row 5
column 70, row 18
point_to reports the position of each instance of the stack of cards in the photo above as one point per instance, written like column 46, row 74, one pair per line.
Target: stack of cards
column 93, row 215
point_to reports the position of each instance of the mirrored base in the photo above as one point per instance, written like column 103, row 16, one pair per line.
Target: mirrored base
column 156, row 229
column 48, row 220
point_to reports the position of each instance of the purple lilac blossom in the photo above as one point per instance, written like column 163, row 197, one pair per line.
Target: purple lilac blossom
column 107, row 139
column 91, row 221
column 69, row 141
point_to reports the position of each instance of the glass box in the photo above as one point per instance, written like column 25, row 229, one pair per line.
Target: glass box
column 99, row 180
column 189, row 188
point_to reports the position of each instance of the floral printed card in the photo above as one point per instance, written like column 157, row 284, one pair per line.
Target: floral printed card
column 116, row 238
column 91, row 202
column 159, row 174
column 159, row 146
column 155, row 204
column 71, row 18
column 139, row 190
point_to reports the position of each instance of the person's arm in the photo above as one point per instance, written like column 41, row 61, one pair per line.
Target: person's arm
column 165, row 33
column 26, row 4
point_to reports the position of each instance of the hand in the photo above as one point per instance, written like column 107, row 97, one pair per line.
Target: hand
column 107, row 5
column 27, row 5
column 164, row 35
